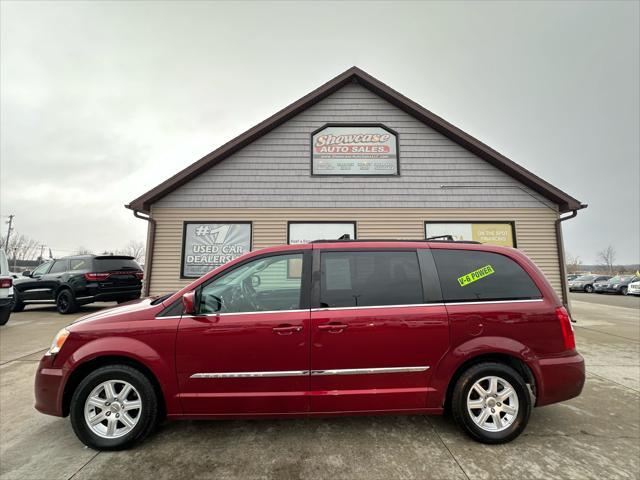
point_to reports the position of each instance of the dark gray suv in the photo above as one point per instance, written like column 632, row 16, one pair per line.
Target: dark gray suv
column 77, row 280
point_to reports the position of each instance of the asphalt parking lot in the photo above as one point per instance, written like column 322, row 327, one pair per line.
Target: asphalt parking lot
column 596, row 435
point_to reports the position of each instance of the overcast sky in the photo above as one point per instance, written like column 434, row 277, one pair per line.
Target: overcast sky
column 101, row 101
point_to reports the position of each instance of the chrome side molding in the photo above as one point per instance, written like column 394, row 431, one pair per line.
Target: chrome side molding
column 369, row 371
column 300, row 373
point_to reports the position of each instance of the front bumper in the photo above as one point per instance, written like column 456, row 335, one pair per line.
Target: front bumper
column 49, row 386
column 561, row 378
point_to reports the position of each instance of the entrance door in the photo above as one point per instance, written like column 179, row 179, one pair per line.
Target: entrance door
column 375, row 337
column 247, row 350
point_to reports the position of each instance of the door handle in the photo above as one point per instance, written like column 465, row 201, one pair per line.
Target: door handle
column 333, row 327
column 287, row 329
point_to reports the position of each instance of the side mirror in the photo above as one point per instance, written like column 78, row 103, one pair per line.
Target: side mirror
column 26, row 273
column 189, row 303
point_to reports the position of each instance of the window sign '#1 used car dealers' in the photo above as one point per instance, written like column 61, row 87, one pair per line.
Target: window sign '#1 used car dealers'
column 207, row 245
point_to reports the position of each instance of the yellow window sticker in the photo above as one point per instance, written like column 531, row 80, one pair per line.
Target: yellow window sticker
column 475, row 275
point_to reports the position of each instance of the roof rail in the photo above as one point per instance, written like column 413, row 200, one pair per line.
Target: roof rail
column 448, row 238
column 430, row 239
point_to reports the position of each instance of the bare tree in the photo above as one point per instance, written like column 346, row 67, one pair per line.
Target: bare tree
column 607, row 258
column 82, row 251
column 134, row 249
column 21, row 247
column 574, row 263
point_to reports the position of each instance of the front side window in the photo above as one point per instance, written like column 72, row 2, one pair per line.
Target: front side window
column 265, row 284
column 41, row 269
column 472, row 276
column 370, row 278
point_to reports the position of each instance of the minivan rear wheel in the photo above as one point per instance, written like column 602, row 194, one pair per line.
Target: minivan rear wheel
column 113, row 408
column 491, row 403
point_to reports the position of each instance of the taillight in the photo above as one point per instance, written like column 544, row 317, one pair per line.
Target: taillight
column 6, row 282
column 567, row 329
column 96, row 277
column 139, row 275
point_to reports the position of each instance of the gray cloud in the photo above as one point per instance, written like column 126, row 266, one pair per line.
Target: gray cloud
column 103, row 100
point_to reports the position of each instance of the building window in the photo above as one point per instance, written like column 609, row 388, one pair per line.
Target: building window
column 305, row 232
column 493, row 233
column 207, row 245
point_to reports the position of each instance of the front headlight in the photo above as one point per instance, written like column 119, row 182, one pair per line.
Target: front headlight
column 58, row 341
column 616, row 285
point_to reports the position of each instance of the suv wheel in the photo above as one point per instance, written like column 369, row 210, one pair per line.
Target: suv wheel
column 491, row 403
column 5, row 313
column 113, row 408
column 588, row 289
column 66, row 302
column 17, row 305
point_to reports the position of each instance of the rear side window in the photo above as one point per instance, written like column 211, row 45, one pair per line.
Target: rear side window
column 80, row 264
column 113, row 264
column 370, row 278
column 59, row 266
column 470, row 276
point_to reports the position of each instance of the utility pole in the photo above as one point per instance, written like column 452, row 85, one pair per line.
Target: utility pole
column 10, row 222
column 41, row 253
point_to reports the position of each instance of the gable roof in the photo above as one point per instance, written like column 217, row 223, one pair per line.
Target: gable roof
column 564, row 201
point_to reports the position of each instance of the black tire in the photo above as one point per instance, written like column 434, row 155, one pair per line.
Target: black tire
column 17, row 305
column 624, row 291
column 5, row 313
column 148, row 413
column 588, row 289
column 463, row 417
column 66, row 302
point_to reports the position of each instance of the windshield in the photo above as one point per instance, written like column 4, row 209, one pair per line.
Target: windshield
column 620, row 278
column 161, row 298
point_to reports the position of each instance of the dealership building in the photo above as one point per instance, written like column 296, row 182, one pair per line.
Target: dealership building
column 354, row 157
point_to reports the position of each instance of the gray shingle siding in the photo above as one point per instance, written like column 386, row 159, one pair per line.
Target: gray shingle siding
column 274, row 171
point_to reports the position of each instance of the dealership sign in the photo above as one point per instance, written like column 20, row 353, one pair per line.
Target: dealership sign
column 493, row 233
column 207, row 245
column 354, row 150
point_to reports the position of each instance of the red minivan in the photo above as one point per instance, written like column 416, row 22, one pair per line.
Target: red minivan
column 326, row 328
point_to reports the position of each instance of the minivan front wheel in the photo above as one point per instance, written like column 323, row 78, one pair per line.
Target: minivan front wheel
column 113, row 408
column 491, row 403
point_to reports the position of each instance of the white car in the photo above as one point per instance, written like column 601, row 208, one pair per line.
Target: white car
column 634, row 288
column 6, row 289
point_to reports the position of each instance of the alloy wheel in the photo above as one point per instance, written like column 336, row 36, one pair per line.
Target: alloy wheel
column 63, row 302
column 113, row 409
column 492, row 404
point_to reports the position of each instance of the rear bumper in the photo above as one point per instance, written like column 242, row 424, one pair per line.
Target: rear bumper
column 49, row 384
column 561, row 378
column 109, row 296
